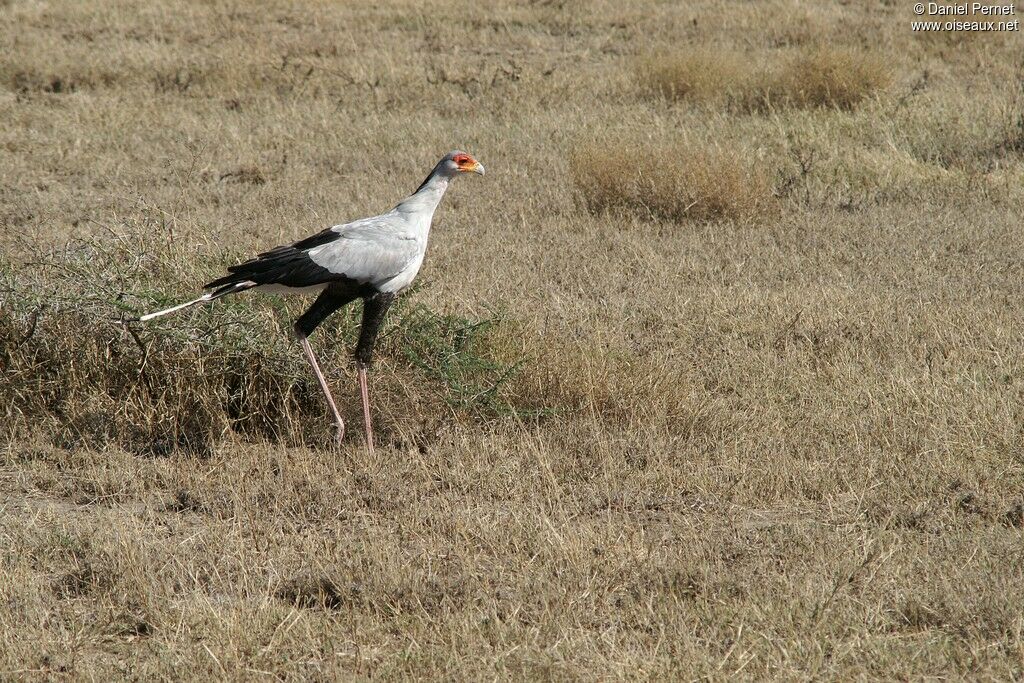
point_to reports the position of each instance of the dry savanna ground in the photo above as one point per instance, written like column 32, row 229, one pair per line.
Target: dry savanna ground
column 717, row 373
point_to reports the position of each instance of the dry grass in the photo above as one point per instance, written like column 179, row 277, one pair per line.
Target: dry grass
column 705, row 75
column 183, row 385
column 829, row 77
column 673, row 181
column 783, row 442
column 813, row 77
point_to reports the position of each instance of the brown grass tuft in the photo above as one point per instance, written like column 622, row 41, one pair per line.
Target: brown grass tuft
column 307, row 590
column 250, row 174
column 819, row 77
column 705, row 75
column 677, row 182
column 832, row 77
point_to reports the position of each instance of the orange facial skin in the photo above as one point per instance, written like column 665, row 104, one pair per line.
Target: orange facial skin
column 466, row 163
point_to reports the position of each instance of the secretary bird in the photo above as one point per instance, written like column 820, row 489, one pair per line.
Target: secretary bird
column 372, row 259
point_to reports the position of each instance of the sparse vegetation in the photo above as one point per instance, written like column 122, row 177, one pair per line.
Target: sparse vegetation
column 170, row 386
column 673, row 181
column 812, row 77
column 831, row 77
column 707, row 76
column 716, row 374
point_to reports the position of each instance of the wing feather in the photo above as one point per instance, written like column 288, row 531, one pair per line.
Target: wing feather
column 369, row 251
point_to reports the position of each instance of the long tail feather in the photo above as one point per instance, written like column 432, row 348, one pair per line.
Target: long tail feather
column 172, row 309
column 209, row 296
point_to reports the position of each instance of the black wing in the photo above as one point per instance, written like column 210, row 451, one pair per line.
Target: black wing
column 287, row 265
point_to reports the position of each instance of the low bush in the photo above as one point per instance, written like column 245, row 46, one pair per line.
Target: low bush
column 673, row 181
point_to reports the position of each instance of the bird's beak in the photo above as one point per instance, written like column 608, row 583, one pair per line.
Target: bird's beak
column 477, row 168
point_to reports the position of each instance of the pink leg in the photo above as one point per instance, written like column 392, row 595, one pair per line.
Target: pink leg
column 323, row 385
column 364, row 390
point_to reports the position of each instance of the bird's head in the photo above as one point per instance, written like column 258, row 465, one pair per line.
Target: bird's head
column 458, row 162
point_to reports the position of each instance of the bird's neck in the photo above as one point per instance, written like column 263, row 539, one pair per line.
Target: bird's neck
column 427, row 196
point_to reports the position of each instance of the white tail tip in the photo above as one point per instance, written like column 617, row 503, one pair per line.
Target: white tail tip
column 172, row 309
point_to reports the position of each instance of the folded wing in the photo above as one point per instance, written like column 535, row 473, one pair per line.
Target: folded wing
column 367, row 252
